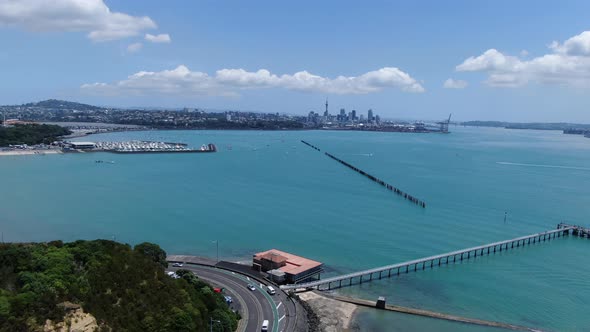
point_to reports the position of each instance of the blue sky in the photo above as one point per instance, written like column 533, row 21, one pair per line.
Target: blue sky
column 393, row 57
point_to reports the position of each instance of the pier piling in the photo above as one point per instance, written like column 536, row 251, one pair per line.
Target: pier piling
column 463, row 254
column 387, row 186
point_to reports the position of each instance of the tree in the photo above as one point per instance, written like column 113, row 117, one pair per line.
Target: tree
column 153, row 252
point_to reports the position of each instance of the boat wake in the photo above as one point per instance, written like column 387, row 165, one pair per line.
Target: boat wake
column 361, row 154
column 545, row 166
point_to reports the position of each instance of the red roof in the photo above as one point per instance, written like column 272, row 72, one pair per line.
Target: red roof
column 294, row 264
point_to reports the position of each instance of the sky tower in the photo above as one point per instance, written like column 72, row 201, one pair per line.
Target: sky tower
column 326, row 112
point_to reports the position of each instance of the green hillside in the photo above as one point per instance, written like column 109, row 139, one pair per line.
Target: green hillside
column 124, row 288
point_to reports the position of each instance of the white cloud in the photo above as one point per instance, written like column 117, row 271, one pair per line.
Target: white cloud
column 567, row 64
column 161, row 38
column 135, row 47
column 92, row 16
column 454, row 84
column 577, row 45
column 226, row 82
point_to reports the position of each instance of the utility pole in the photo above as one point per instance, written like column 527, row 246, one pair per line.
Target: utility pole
column 217, row 247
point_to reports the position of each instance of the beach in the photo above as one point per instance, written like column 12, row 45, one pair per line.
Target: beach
column 333, row 315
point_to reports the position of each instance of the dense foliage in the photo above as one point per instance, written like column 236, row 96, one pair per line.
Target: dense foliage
column 125, row 289
column 31, row 134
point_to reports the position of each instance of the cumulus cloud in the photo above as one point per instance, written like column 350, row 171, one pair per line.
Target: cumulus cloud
column 161, row 38
column 135, row 47
column 568, row 63
column 454, row 84
column 92, row 16
column 226, row 82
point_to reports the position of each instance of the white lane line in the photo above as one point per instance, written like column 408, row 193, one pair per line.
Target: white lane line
column 280, row 319
column 279, row 304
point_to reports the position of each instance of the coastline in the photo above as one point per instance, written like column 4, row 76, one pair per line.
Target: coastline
column 29, row 152
column 332, row 315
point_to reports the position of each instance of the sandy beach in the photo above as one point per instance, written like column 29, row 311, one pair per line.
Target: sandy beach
column 28, row 152
column 334, row 315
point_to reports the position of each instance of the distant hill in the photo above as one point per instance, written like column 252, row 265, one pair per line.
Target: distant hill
column 62, row 105
column 532, row 125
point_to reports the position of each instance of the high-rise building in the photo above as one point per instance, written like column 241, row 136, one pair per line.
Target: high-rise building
column 342, row 115
column 354, row 118
column 370, row 116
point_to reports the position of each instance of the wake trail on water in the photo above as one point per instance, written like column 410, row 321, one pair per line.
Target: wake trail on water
column 545, row 166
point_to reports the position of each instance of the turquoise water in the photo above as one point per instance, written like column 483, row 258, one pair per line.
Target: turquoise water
column 270, row 190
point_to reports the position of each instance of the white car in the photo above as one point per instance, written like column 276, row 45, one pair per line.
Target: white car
column 251, row 287
column 177, row 265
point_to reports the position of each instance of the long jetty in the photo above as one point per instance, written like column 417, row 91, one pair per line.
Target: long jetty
column 438, row 260
column 387, row 186
column 432, row 314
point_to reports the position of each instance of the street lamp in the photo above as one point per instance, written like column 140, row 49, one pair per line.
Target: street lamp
column 217, row 245
column 211, row 321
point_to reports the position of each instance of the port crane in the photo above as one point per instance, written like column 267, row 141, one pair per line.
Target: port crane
column 444, row 125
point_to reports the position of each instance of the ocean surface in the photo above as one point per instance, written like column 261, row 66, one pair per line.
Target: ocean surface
column 268, row 190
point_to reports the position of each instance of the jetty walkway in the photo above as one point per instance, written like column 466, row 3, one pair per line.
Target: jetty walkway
column 387, row 186
column 431, row 314
column 437, row 260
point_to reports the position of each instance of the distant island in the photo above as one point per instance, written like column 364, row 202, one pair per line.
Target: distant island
column 104, row 286
column 564, row 126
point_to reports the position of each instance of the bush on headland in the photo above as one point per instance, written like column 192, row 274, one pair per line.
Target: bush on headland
column 31, row 134
column 124, row 288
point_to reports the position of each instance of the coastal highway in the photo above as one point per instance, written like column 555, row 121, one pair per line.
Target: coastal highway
column 254, row 306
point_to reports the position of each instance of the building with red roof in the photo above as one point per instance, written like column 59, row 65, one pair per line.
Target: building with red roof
column 286, row 267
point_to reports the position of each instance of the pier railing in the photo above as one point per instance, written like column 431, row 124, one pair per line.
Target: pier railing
column 437, row 260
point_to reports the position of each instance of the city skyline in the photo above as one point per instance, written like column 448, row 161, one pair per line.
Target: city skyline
column 531, row 65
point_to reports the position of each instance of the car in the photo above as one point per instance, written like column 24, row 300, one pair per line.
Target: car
column 218, row 290
column 228, row 299
column 177, row 265
column 251, row 287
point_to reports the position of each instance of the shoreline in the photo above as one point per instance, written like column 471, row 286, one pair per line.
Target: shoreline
column 29, row 152
column 331, row 315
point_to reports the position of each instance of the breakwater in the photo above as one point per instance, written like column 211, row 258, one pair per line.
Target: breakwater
column 431, row 314
column 311, row 145
column 387, row 186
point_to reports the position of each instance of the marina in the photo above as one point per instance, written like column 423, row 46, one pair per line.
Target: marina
column 137, row 147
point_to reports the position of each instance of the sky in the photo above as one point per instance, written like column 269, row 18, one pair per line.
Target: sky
column 479, row 60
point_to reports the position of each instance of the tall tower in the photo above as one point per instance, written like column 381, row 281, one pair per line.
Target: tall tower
column 326, row 112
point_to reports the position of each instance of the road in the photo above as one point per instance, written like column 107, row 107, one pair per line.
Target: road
column 254, row 306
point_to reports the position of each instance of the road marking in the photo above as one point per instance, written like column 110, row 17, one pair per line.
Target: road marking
column 279, row 304
column 280, row 319
column 275, row 327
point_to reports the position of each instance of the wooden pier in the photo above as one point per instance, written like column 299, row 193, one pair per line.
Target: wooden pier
column 438, row 260
column 387, row 186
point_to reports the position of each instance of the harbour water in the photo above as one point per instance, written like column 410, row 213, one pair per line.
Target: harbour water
column 266, row 189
